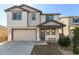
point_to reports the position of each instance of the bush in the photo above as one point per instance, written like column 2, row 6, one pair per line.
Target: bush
column 75, row 41
column 64, row 41
column 76, row 50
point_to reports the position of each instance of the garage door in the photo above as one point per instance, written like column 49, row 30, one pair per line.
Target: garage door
column 24, row 35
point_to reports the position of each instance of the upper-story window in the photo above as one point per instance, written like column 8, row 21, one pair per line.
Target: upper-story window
column 17, row 16
column 48, row 18
column 33, row 16
column 75, row 20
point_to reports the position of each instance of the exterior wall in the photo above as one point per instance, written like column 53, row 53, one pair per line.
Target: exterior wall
column 43, row 18
column 16, row 9
column 17, row 23
column 27, row 8
column 34, row 22
column 71, row 20
column 66, row 28
column 72, row 26
column 56, row 17
column 9, row 34
column 56, row 36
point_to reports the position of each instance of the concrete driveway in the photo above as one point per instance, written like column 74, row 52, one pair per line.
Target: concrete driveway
column 16, row 48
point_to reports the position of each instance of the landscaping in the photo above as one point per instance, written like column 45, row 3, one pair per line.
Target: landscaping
column 76, row 41
column 49, row 49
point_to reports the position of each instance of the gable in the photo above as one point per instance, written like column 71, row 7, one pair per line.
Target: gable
column 29, row 8
column 51, row 23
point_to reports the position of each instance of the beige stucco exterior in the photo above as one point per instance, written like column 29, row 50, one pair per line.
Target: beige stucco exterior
column 33, row 22
column 28, row 23
column 17, row 23
column 65, row 21
column 68, row 21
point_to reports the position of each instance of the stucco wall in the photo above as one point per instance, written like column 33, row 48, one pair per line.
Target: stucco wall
column 17, row 23
column 34, row 22
column 9, row 34
column 56, row 17
column 66, row 28
column 43, row 18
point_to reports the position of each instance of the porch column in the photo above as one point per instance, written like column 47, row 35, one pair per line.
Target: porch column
column 62, row 31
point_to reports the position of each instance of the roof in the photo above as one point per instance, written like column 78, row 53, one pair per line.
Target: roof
column 59, row 25
column 15, row 7
column 20, row 7
column 30, row 7
column 51, row 13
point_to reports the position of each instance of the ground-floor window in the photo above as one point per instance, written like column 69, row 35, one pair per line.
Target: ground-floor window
column 48, row 31
column 53, row 31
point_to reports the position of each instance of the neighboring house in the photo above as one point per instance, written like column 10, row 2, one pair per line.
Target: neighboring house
column 26, row 23
column 71, row 22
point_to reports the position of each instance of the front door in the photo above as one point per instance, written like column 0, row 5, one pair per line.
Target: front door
column 42, row 34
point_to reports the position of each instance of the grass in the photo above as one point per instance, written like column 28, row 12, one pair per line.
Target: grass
column 50, row 49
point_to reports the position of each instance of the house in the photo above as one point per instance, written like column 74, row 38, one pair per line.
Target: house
column 71, row 23
column 26, row 23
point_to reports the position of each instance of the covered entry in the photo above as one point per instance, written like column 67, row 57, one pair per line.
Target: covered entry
column 49, row 30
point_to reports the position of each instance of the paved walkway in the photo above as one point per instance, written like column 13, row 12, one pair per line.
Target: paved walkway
column 16, row 48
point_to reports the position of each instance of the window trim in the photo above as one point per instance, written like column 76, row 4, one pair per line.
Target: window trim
column 47, row 32
column 53, row 33
column 33, row 16
column 75, row 21
column 48, row 17
column 13, row 16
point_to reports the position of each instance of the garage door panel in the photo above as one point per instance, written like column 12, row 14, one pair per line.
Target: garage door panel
column 24, row 35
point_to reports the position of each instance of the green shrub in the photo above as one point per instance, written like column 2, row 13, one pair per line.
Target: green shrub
column 76, row 50
column 64, row 41
column 75, row 41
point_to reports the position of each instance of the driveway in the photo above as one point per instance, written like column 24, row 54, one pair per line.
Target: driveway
column 16, row 48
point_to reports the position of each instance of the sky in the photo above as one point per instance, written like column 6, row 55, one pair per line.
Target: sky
column 64, row 9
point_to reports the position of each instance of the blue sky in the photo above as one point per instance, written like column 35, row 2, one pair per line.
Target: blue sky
column 64, row 9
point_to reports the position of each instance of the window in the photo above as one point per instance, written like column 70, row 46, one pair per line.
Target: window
column 48, row 18
column 47, row 31
column 33, row 16
column 75, row 20
column 17, row 16
column 53, row 31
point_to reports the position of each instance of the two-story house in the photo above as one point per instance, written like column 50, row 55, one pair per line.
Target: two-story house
column 26, row 23
column 71, row 23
